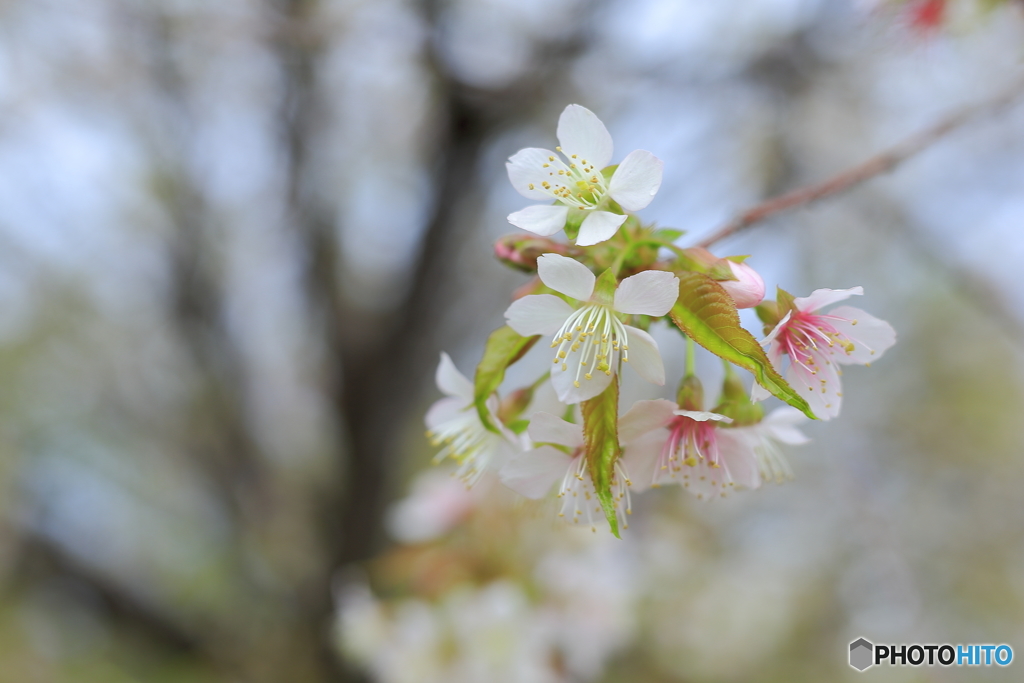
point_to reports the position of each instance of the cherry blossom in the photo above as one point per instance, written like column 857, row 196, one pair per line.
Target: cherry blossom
column 590, row 338
column 818, row 343
column 534, row 472
column 577, row 182
column 454, row 423
column 765, row 437
column 689, row 448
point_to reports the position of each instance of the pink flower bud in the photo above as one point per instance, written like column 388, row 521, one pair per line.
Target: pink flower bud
column 748, row 289
column 521, row 252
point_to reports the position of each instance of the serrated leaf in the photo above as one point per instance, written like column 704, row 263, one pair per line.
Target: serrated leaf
column 601, row 444
column 504, row 347
column 707, row 314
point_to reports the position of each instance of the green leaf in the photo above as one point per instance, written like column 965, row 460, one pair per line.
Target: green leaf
column 667, row 234
column 707, row 314
column 504, row 347
column 785, row 300
column 601, row 444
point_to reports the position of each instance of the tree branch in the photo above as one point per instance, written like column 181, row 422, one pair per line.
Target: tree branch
column 875, row 166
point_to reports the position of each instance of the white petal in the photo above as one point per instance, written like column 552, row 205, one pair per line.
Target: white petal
column 759, row 393
column 738, row 459
column 652, row 292
column 640, row 459
column 580, row 132
column 871, row 336
column 598, row 226
column 526, row 167
column 444, row 410
column 774, row 353
column 566, row 275
column 564, row 381
column 820, row 298
column 451, row 381
column 703, row 416
column 781, row 423
column 548, row 428
column 821, row 389
column 644, row 356
column 643, row 417
column 533, row 473
column 781, row 325
column 540, row 219
column 537, row 314
column 636, row 180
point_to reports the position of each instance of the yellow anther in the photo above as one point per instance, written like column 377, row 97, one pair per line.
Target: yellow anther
column 531, row 186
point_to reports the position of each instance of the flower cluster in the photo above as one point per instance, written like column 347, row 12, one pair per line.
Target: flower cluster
column 594, row 301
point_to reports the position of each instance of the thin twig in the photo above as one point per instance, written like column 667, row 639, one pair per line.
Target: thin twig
column 875, row 166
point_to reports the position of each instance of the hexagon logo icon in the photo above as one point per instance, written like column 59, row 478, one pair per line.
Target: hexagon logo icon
column 861, row 654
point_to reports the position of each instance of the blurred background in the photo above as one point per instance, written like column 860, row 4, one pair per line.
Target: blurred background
column 235, row 236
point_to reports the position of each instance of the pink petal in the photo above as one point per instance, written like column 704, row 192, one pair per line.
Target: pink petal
column 566, row 275
column 747, row 290
column 636, row 180
column 537, row 314
column 582, row 134
column 652, row 292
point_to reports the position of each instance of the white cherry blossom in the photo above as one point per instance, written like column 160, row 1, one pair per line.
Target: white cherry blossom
column 590, row 338
column 534, row 473
column 778, row 427
column 454, row 423
column 572, row 177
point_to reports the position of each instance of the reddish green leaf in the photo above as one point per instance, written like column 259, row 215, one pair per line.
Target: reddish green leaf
column 504, row 347
column 707, row 314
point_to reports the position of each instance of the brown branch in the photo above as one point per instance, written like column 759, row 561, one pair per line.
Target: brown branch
column 875, row 166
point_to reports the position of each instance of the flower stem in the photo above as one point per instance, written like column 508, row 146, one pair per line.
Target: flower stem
column 691, row 352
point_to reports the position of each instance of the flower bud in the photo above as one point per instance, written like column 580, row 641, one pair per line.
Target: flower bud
column 521, row 252
column 747, row 290
column 735, row 403
column 691, row 393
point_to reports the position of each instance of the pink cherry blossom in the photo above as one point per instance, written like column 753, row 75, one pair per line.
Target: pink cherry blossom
column 690, row 448
column 816, row 344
